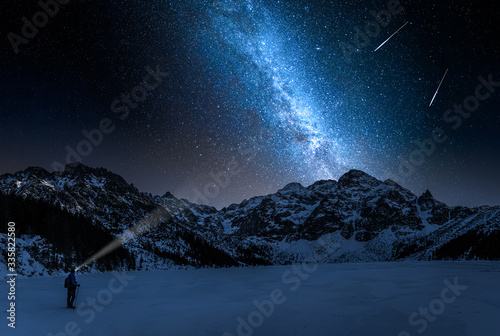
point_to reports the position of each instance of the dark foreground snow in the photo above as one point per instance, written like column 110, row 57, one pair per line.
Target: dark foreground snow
column 440, row 298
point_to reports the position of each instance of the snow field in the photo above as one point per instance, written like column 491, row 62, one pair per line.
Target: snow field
column 334, row 299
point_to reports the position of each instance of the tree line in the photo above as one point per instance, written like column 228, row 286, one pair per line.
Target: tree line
column 71, row 235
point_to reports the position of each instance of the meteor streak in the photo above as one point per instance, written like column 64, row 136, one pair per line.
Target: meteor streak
column 432, row 101
column 397, row 31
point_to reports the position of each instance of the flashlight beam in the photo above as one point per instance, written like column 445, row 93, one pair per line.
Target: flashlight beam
column 146, row 224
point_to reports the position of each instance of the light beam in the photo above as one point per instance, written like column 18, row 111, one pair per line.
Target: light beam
column 147, row 223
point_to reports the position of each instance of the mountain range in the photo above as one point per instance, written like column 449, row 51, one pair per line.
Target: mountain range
column 64, row 217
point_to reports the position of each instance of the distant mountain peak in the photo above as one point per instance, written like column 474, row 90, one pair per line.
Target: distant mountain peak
column 323, row 186
column 426, row 197
column 427, row 201
column 78, row 167
column 168, row 194
column 294, row 186
column 355, row 176
column 37, row 171
column 79, row 170
column 427, row 194
column 391, row 183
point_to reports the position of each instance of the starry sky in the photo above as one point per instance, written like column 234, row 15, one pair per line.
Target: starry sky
column 218, row 101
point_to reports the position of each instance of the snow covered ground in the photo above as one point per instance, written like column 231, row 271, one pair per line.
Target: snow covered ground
column 440, row 298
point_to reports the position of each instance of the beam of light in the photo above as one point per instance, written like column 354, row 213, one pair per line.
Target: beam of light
column 435, row 94
column 147, row 223
column 397, row 31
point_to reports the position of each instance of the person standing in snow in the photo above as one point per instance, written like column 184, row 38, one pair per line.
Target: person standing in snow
column 72, row 288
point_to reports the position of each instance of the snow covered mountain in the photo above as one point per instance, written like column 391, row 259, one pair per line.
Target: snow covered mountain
column 357, row 218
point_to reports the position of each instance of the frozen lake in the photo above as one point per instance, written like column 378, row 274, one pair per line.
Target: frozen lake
column 390, row 299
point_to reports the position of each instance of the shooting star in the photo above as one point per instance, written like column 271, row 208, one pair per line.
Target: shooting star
column 432, row 101
column 397, row 31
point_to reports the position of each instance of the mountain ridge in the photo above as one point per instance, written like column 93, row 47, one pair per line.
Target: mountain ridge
column 364, row 218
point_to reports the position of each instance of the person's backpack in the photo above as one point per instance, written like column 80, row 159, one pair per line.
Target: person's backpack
column 67, row 282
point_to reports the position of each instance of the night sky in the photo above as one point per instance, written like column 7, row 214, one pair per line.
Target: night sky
column 218, row 101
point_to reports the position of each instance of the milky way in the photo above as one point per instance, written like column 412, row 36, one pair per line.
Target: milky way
column 244, row 39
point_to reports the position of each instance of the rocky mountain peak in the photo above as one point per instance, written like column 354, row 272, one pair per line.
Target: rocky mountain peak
column 427, row 195
column 357, row 177
column 323, row 186
column 427, row 201
column 76, row 167
column 78, row 170
column 292, row 187
column 391, row 183
column 37, row 172
column 168, row 194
